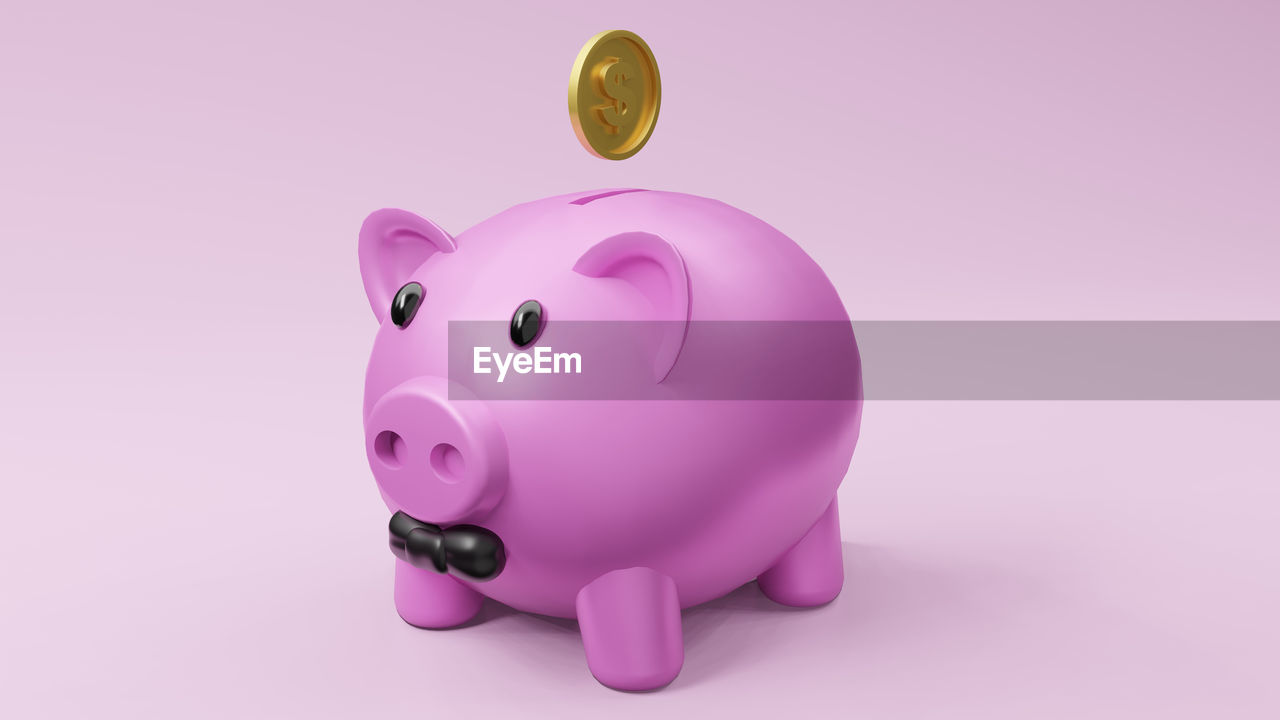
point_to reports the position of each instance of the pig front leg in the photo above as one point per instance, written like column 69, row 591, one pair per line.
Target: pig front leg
column 812, row 571
column 630, row 621
column 427, row 599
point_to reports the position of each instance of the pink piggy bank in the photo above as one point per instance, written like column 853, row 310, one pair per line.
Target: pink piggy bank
column 701, row 402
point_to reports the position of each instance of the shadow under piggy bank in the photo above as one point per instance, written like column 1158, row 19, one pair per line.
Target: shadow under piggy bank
column 890, row 600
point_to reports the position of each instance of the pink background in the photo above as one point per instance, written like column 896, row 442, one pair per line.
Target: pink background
column 189, row 527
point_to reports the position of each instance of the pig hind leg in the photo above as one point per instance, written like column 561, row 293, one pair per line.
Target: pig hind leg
column 812, row 571
column 427, row 599
column 630, row 621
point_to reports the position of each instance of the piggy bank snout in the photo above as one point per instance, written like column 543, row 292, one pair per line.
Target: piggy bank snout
column 437, row 458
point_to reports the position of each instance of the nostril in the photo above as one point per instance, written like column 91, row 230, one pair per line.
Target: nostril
column 447, row 463
column 390, row 448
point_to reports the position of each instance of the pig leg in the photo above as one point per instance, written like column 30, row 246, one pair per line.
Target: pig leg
column 630, row 621
column 427, row 599
column 812, row 571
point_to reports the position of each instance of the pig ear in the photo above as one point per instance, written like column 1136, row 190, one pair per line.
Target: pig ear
column 653, row 266
column 394, row 243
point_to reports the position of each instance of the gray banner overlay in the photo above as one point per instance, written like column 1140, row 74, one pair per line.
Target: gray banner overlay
column 896, row 360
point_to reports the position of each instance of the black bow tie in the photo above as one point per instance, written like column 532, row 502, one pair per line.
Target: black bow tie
column 468, row 550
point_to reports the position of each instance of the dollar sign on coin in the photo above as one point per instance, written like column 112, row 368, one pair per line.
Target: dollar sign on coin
column 614, row 94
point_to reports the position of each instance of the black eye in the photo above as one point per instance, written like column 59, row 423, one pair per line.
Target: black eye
column 526, row 323
column 405, row 305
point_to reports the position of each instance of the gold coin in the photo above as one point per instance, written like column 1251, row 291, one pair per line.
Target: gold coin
column 614, row 94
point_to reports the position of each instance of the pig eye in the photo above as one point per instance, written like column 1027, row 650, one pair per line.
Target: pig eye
column 526, row 323
column 405, row 304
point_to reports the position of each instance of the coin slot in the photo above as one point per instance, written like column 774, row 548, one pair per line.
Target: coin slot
column 599, row 196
